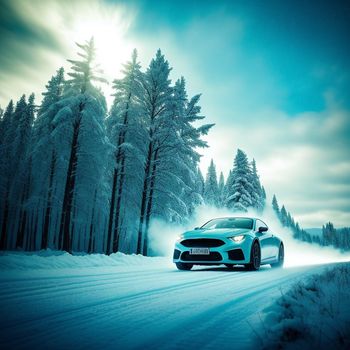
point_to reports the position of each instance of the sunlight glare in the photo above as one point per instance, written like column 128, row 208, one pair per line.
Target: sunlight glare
column 109, row 27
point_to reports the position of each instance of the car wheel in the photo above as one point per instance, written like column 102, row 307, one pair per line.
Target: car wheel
column 229, row 266
column 183, row 266
column 255, row 257
column 280, row 260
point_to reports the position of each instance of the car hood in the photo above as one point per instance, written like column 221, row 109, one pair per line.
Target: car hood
column 214, row 233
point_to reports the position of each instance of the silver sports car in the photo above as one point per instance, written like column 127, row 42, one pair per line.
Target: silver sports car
column 230, row 241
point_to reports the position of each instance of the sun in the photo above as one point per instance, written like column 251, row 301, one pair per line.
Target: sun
column 109, row 27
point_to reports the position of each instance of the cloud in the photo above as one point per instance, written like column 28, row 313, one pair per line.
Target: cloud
column 304, row 160
column 37, row 37
column 303, row 157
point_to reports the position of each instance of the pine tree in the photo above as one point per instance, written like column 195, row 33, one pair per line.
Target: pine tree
column 82, row 119
column 7, row 134
column 211, row 189
column 239, row 193
column 124, row 114
column 176, row 192
column 221, row 186
column 24, row 172
column 228, row 186
column 275, row 205
column 45, row 175
column 200, row 182
column 257, row 193
column 157, row 94
column 283, row 216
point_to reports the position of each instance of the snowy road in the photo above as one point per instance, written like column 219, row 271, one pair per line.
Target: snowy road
column 134, row 307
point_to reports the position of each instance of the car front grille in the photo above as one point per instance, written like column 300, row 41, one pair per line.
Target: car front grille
column 213, row 256
column 202, row 242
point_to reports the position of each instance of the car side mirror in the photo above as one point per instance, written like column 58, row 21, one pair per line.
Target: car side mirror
column 197, row 228
column 263, row 229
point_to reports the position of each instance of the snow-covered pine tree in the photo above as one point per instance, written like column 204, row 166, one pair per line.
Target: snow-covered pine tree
column 7, row 134
column 283, row 216
column 156, row 84
column 275, row 206
column 46, row 179
column 124, row 126
column 17, row 141
column 200, row 183
column 297, row 232
column 5, row 121
column 221, row 186
column 228, row 186
column 263, row 192
column 211, row 188
column 24, row 180
column 176, row 194
column 289, row 220
column 190, row 141
column 81, row 138
column 239, row 193
column 257, row 194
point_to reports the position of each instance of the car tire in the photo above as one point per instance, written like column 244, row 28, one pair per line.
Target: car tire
column 183, row 266
column 280, row 260
column 229, row 266
column 255, row 257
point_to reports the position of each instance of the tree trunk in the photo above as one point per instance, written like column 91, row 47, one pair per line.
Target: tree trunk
column 3, row 239
column 150, row 202
column 45, row 234
column 64, row 240
column 144, row 198
column 91, row 231
column 23, row 217
column 111, row 212
column 118, row 182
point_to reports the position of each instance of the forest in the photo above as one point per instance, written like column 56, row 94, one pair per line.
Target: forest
column 78, row 177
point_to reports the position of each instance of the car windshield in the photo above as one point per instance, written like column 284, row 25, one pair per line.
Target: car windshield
column 229, row 223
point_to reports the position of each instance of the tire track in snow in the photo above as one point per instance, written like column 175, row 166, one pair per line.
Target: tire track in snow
column 131, row 314
column 114, row 299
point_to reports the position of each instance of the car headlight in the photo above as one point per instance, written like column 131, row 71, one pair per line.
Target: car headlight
column 179, row 238
column 237, row 239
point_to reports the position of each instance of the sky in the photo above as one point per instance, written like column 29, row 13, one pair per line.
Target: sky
column 274, row 78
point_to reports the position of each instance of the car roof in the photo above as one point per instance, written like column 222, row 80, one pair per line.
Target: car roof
column 235, row 217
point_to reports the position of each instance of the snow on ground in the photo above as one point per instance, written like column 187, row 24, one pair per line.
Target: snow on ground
column 50, row 259
column 54, row 300
column 312, row 314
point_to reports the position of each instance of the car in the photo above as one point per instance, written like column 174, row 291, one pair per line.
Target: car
column 229, row 241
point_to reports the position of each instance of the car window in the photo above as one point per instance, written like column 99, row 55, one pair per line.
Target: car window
column 229, row 223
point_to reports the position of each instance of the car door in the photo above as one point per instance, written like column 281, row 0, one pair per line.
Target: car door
column 266, row 241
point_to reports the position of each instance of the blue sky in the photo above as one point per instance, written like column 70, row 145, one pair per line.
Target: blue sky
column 274, row 77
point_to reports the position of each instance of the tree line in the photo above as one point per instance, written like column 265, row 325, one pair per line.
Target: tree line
column 338, row 238
column 76, row 176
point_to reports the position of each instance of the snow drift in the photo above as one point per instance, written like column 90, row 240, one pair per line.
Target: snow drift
column 312, row 314
column 52, row 259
